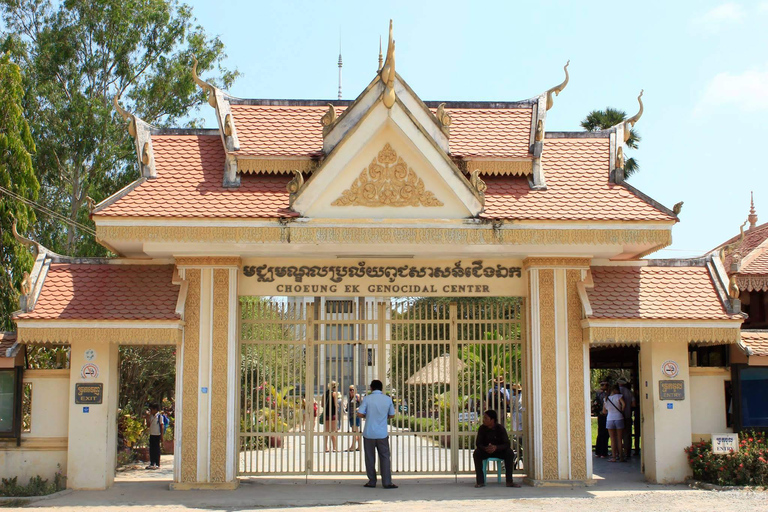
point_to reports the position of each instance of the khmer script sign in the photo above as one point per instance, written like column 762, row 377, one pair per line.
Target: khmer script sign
column 383, row 277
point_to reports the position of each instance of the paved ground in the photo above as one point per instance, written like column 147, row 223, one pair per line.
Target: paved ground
column 618, row 487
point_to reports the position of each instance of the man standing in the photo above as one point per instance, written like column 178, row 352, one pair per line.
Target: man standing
column 493, row 441
column 156, row 429
column 376, row 409
column 601, row 443
column 630, row 403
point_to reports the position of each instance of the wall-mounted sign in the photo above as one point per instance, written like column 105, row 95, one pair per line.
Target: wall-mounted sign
column 670, row 368
column 383, row 277
column 671, row 390
column 89, row 371
column 725, row 443
column 88, row 393
column 90, row 354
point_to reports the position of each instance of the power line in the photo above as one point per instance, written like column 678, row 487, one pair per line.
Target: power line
column 48, row 211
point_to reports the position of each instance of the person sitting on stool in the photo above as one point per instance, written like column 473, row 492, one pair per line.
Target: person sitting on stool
column 493, row 441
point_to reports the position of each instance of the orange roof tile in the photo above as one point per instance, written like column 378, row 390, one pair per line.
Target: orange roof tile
column 758, row 263
column 7, row 339
column 578, row 188
column 658, row 293
column 757, row 341
column 285, row 131
column 752, row 239
column 190, row 170
column 106, row 292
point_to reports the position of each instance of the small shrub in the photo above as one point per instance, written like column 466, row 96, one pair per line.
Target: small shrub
column 38, row 486
column 748, row 466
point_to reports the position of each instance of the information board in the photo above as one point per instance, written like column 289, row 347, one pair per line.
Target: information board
column 671, row 390
column 89, row 393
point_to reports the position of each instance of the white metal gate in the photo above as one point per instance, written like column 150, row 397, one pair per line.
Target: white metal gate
column 443, row 361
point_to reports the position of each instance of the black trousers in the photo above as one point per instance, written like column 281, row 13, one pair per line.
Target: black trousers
column 508, row 456
column 154, row 450
column 601, row 444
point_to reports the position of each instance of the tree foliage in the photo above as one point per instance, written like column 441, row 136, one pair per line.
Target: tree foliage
column 147, row 374
column 604, row 119
column 17, row 175
column 77, row 55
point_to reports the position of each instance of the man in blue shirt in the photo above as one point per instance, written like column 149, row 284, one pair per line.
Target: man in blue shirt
column 377, row 408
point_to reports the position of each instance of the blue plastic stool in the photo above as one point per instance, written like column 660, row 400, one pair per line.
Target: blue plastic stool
column 498, row 468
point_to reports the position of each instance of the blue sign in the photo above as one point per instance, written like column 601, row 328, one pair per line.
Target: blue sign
column 204, row 390
column 670, row 406
column 86, row 409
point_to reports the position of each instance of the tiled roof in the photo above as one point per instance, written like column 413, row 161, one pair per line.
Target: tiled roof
column 758, row 263
column 295, row 131
column 106, row 292
column 190, row 170
column 578, row 188
column 752, row 239
column 658, row 293
column 7, row 339
column 757, row 341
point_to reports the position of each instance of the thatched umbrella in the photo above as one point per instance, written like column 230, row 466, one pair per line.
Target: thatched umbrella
column 437, row 371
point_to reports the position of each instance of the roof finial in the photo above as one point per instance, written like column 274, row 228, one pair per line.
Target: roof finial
column 558, row 88
column 387, row 72
column 630, row 123
column 381, row 57
column 125, row 115
column 339, row 63
column 204, row 85
column 752, row 213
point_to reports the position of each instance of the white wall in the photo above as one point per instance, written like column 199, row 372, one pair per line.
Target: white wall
column 708, row 409
column 43, row 450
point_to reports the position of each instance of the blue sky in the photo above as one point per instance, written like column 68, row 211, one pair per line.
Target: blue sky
column 703, row 66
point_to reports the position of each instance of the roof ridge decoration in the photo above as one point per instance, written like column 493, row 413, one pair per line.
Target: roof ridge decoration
column 752, row 217
column 387, row 73
column 544, row 102
column 387, row 181
column 32, row 282
column 556, row 90
column 141, row 132
column 621, row 131
column 220, row 102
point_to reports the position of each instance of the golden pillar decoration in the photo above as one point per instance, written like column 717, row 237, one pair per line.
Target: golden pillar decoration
column 576, row 363
column 219, row 375
column 548, row 373
column 190, row 364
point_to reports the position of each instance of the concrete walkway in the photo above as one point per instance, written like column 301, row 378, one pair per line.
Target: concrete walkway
column 617, row 487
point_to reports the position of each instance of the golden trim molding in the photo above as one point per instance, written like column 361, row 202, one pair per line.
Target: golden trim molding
column 634, row 335
column 275, row 165
column 382, row 235
column 123, row 335
column 219, row 372
column 208, row 261
column 752, row 283
column 529, row 263
column 548, row 374
column 190, row 365
column 500, row 167
column 46, row 374
column 576, row 363
column 387, row 181
column 36, row 444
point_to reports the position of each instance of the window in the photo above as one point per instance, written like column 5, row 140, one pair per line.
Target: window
column 708, row 355
column 754, row 401
column 9, row 402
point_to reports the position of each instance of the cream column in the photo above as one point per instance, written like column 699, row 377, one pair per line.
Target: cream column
column 92, row 447
column 558, row 367
column 207, row 382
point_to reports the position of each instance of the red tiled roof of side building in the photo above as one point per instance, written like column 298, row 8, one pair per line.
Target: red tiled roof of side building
column 752, row 239
column 653, row 292
column 106, row 292
column 285, row 131
column 757, row 341
column 190, row 170
column 578, row 188
column 758, row 264
column 7, row 339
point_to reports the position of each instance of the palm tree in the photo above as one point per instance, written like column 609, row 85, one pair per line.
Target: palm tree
column 603, row 120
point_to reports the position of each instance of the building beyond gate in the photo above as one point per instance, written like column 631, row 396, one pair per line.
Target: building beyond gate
column 319, row 222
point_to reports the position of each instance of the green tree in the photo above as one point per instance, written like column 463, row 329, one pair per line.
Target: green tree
column 77, row 55
column 604, row 119
column 16, row 175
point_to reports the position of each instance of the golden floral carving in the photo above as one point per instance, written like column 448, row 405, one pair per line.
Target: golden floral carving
column 752, row 283
column 385, row 235
column 122, row 335
column 576, row 377
column 500, row 167
column 190, row 365
column 548, row 374
column 388, row 181
column 635, row 335
column 208, row 261
column 557, row 262
column 219, row 375
column 275, row 166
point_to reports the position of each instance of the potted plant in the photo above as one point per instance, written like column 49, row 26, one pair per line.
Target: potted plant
column 168, row 440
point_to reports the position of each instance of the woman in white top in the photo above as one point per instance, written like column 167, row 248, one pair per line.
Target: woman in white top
column 614, row 407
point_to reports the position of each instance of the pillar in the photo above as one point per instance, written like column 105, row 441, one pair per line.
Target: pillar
column 207, row 383
column 92, row 446
column 666, row 426
column 557, row 373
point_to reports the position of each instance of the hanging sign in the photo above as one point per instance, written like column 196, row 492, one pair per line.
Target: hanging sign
column 382, row 277
column 88, row 393
column 670, row 368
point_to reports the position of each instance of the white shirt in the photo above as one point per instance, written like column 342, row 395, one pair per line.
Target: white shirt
column 154, row 425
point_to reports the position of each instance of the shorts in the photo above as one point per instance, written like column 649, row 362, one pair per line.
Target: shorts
column 354, row 421
column 614, row 424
